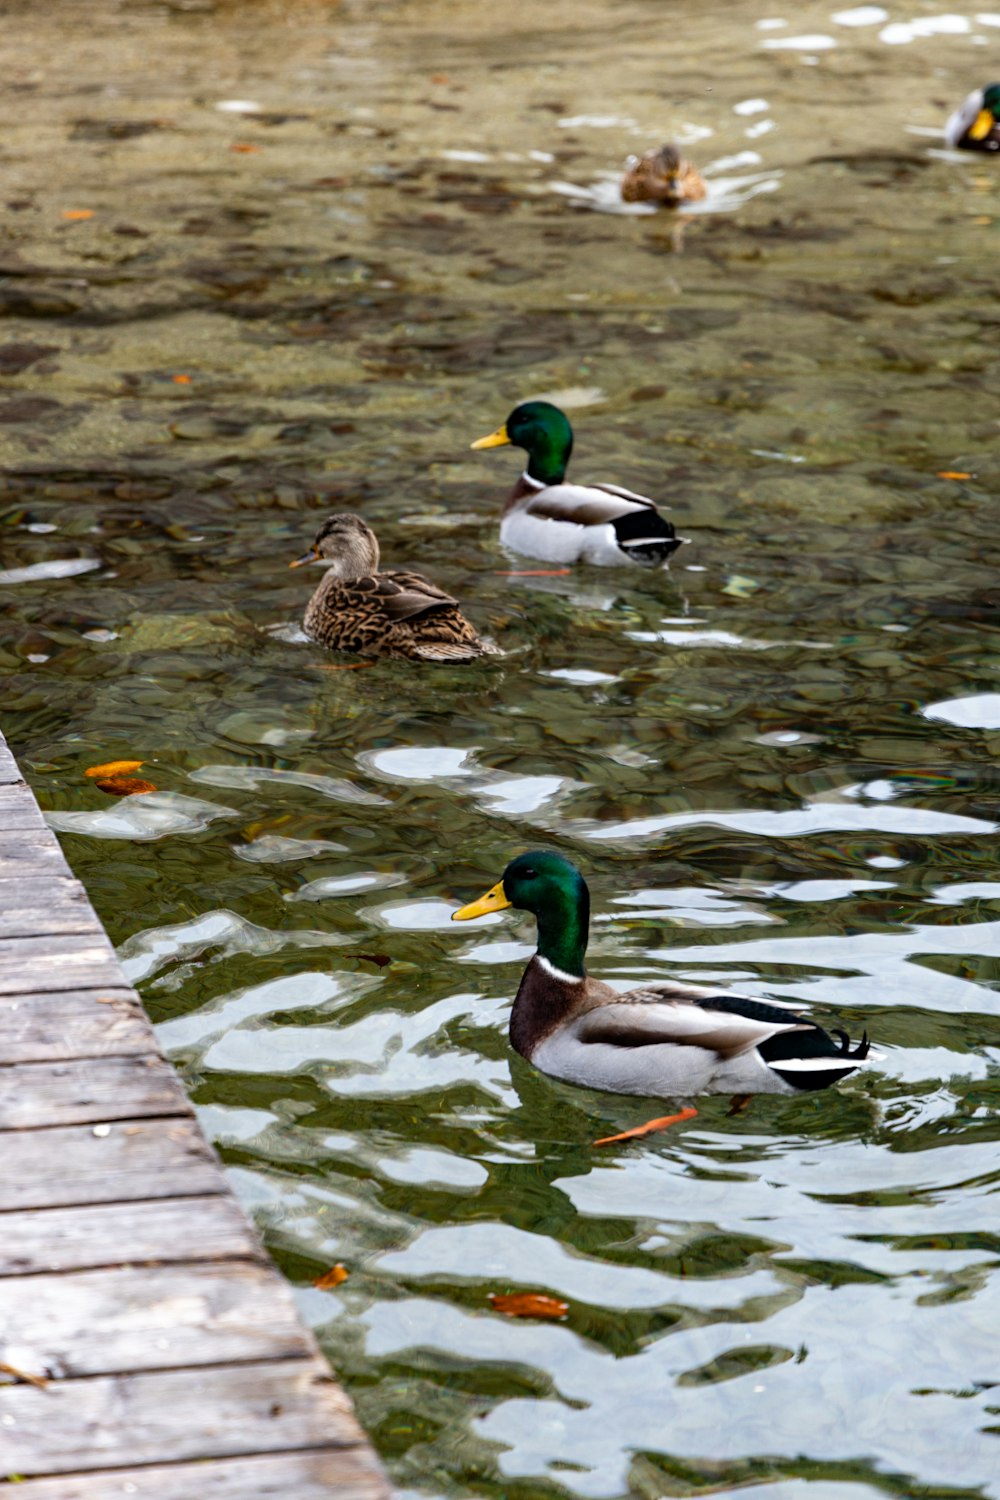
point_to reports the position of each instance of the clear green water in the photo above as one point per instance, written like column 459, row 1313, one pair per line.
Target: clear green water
column 744, row 754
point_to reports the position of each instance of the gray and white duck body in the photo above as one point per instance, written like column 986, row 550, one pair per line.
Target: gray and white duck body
column 559, row 522
column 665, row 1039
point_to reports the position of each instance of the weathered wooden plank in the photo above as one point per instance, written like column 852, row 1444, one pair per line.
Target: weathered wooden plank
column 61, row 962
column 24, row 853
column 36, row 905
column 104, row 1234
column 347, row 1474
column 78, row 1091
column 9, row 768
column 72, row 1023
column 148, row 1318
column 111, row 1421
column 136, row 1159
column 128, row 1275
column 18, row 809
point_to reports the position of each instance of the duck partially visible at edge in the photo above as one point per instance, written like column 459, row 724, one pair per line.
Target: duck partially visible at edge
column 975, row 125
column 356, row 608
column 550, row 518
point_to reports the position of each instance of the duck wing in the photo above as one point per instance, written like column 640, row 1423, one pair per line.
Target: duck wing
column 401, row 595
column 586, row 504
column 714, row 1020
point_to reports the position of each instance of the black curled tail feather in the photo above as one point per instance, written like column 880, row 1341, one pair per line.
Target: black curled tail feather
column 860, row 1052
column 796, row 1048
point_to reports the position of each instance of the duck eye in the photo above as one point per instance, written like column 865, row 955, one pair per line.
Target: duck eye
column 528, row 874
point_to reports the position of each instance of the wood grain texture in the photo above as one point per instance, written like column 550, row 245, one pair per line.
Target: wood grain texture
column 345, row 1474
column 58, row 962
column 18, row 809
column 72, row 1023
column 92, row 1089
column 36, row 905
column 111, row 1421
column 23, row 852
column 147, row 1318
column 137, row 1159
column 162, row 1230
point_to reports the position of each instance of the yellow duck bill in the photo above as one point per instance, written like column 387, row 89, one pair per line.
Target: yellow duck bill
column 494, row 900
column 495, row 440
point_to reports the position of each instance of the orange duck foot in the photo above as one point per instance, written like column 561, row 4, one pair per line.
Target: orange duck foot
column 650, row 1126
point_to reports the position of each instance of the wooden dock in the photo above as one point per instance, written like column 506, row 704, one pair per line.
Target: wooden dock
column 148, row 1347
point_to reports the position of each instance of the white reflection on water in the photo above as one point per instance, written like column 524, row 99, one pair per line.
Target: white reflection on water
column 151, row 815
column 499, row 1250
column 977, row 711
column 251, row 777
column 57, row 567
column 814, row 817
column 215, row 933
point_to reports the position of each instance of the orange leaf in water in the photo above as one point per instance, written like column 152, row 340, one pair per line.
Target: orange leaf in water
column 440, row 78
column 534, row 573
column 181, row 379
column 243, row 147
column 78, row 213
column 124, row 786
column 332, row 1278
column 113, row 768
column 953, row 474
column 528, row 1305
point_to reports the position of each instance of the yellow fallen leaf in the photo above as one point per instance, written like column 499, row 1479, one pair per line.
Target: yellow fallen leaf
column 528, row 1305
column 181, row 379
column 953, row 474
column 243, row 147
column 113, row 768
column 78, row 213
column 332, row 1278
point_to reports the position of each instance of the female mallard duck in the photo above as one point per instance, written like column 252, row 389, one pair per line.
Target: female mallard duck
column 664, row 1038
column 563, row 523
column 358, row 609
column 975, row 125
column 662, row 176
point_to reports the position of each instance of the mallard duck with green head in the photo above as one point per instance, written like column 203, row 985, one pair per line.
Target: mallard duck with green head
column 658, row 1039
column 975, row 125
column 547, row 517
column 662, row 176
column 360, row 610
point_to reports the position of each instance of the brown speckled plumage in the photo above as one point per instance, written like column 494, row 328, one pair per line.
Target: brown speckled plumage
column 399, row 614
column 662, row 176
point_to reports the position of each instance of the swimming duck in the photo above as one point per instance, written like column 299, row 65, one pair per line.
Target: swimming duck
column 662, row 1038
column 546, row 517
column 975, row 125
column 662, row 176
column 358, row 609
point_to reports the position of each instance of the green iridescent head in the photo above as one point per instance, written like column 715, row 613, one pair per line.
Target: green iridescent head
column 556, row 893
column 991, row 99
column 543, row 431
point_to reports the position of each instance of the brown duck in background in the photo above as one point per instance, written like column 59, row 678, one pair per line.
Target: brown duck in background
column 662, row 176
column 358, row 609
